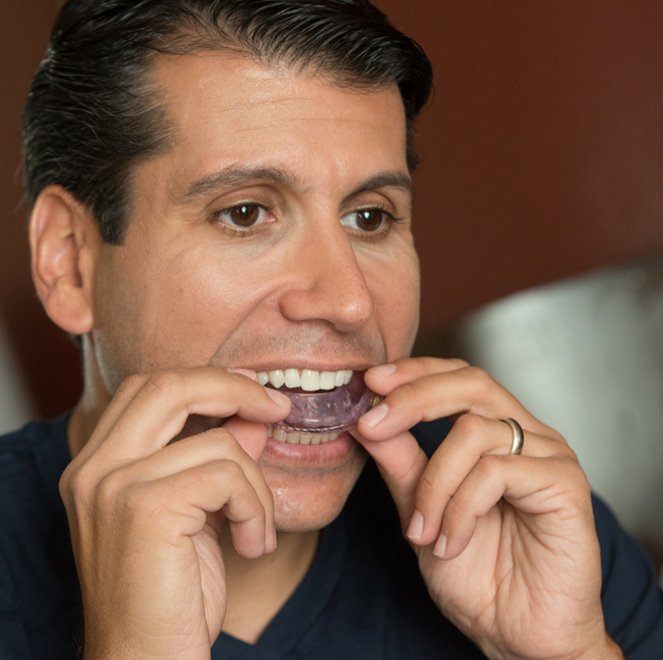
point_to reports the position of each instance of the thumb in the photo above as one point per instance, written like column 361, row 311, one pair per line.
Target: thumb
column 251, row 436
column 401, row 462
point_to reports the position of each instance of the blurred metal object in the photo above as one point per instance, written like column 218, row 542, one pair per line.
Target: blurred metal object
column 15, row 406
column 585, row 355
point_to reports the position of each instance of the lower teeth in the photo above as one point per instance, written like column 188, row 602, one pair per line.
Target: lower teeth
column 302, row 438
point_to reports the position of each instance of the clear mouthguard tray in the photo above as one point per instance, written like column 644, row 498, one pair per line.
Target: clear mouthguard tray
column 324, row 411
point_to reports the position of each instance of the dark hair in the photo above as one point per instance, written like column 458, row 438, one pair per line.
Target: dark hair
column 92, row 112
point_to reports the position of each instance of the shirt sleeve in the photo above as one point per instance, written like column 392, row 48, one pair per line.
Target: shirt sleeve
column 632, row 599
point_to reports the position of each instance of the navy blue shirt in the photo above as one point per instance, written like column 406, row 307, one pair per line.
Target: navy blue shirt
column 362, row 597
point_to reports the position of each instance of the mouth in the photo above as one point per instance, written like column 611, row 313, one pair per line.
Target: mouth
column 324, row 403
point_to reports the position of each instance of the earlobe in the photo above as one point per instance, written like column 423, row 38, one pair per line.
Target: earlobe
column 62, row 260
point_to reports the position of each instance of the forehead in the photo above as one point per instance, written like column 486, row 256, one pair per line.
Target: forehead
column 229, row 108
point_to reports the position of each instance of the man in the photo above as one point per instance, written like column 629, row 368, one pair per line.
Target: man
column 221, row 212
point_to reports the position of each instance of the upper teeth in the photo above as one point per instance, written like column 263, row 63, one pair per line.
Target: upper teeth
column 308, row 379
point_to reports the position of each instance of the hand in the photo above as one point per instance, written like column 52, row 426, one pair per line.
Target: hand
column 145, row 515
column 506, row 544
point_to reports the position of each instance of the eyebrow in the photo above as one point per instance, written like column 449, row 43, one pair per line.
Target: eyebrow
column 383, row 180
column 237, row 175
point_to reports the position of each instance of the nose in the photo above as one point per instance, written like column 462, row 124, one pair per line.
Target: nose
column 326, row 282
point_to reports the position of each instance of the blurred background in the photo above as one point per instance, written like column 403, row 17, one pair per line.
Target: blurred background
column 539, row 221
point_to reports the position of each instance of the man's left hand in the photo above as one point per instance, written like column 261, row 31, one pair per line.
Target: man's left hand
column 506, row 544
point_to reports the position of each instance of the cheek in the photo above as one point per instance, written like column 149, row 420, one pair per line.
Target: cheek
column 174, row 311
column 396, row 292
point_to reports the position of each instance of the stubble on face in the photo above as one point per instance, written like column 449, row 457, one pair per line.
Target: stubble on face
column 182, row 292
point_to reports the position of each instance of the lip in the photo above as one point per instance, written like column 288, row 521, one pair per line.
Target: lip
column 330, row 455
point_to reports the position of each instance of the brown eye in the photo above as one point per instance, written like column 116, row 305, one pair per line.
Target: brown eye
column 244, row 215
column 243, row 219
column 370, row 219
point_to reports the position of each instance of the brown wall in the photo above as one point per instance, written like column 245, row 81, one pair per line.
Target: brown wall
column 542, row 155
column 49, row 362
column 543, row 147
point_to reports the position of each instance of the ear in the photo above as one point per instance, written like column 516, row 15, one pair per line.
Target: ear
column 64, row 243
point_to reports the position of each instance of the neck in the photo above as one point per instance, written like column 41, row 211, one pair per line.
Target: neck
column 91, row 405
column 258, row 588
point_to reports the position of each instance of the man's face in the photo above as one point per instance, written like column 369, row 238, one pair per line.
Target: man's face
column 293, row 276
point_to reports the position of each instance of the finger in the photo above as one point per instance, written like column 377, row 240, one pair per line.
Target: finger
column 431, row 397
column 213, row 445
column 251, row 436
column 401, row 462
column 385, row 377
column 179, row 503
column 531, row 485
column 470, row 438
column 123, row 395
column 160, row 408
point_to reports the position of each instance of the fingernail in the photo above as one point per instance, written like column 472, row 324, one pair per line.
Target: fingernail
column 244, row 372
column 383, row 371
column 374, row 417
column 416, row 527
column 278, row 397
column 440, row 546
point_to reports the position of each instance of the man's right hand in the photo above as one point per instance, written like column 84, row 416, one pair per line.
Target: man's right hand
column 145, row 515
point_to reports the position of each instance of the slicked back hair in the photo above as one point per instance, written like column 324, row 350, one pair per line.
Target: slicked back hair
column 92, row 112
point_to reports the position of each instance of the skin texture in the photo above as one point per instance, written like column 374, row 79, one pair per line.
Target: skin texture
column 506, row 544
column 308, row 288
column 298, row 288
column 188, row 527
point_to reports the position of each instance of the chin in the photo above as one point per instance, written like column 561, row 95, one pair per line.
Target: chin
column 311, row 500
